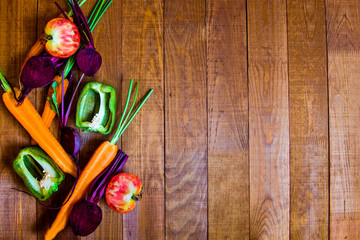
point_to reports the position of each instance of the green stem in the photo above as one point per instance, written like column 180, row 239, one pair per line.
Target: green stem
column 118, row 130
column 102, row 13
column 136, row 111
column 81, row 2
column 71, row 61
column 4, row 83
column 127, row 116
column 98, row 11
column 93, row 12
column 122, row 127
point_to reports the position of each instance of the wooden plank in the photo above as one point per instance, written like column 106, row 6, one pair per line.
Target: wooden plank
column 185, row 119
column 143, row 140
column 107, row 38
column 308, row 120
column 18, row 31
column 228, row 143
column 47, row 11
column 268, row 120
column 343, row 54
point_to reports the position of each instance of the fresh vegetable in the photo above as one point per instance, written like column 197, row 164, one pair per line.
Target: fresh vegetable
column 85, row 218
column 96, row 108
column 101, row 158
column 123, row 191
column 48, row 112
column 88, row 60
column 86, row 215
column 63, row 38
column 30, row 119
column 39, row 45
column 70, row 137
column 39, row 173
column 96, row 14
column 98, row 11
column 38, row 71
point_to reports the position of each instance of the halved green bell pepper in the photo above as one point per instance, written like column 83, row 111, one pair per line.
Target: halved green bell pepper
column 38, row 171
column 96, row 108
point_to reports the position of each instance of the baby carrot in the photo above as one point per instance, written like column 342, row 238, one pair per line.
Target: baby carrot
column 35, row 50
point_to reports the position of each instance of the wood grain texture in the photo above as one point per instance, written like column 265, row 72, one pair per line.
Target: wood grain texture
column 343, row 29
column 143, row 140
column 228, row 149
column 107, row 38
column 47, row 11
column 251, row 131
column 309, row 167
column 185, row 120
column 268, row 120
column 18, row 33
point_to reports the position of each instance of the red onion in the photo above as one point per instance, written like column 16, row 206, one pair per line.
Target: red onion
column 38, row 71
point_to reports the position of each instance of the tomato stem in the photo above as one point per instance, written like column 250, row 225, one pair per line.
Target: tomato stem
column 137, row 197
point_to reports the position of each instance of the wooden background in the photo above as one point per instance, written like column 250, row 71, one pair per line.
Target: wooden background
column 252, row 131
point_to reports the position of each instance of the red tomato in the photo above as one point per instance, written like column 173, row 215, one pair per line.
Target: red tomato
column 123, row 191
column 63, row 38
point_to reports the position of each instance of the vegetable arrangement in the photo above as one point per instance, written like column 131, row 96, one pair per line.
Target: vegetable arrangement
column 100, row 160
column 68, row 39
column 30, row 119
column 86, row 215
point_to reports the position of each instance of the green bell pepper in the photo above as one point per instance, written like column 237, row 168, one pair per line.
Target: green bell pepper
column 96, row 108
column 38, row 171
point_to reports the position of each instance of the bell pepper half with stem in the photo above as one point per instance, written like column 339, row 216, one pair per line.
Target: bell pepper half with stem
column 40, row 174
column 29, row 118
column 96, row 108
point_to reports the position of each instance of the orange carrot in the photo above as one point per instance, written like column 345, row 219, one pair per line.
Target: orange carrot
column 35, row 50
column 49, row 114
column 30, row 119
column 101, row 158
